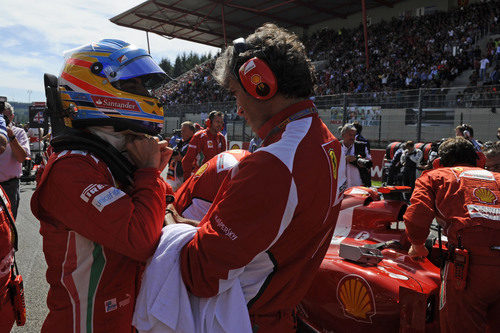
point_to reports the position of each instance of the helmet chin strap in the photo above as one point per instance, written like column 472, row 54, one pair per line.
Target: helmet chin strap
column 108, row 134
column 120, row 166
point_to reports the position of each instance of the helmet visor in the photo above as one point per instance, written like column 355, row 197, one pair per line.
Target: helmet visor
column 152, row 74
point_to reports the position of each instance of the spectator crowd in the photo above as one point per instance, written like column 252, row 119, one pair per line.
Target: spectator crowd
column 426, row 51
column 409, row 52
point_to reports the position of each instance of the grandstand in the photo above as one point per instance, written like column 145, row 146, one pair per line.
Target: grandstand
column 423, row 76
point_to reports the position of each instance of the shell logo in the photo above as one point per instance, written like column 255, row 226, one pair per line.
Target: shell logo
column 256, row 79
column 356, row 298
column 201, row 170
column 485, row 195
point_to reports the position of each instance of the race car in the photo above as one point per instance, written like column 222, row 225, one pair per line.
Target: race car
column 367, row 282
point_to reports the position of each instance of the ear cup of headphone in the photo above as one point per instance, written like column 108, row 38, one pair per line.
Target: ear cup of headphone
column 258, row 79
column 208, row 122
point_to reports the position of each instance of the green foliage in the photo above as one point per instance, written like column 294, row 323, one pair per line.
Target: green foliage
column 166, row 65
column 183, row 63
column 21, row 112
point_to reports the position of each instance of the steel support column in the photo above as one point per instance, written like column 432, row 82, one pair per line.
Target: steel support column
column 223, row 23
column 366, row 34
column 147, row 38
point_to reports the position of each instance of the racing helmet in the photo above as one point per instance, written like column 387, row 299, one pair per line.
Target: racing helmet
column 109, row 83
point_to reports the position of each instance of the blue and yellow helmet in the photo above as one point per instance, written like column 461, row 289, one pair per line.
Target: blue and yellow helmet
column 109, row 83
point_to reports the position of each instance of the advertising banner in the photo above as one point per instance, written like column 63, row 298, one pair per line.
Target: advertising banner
column 37, row 117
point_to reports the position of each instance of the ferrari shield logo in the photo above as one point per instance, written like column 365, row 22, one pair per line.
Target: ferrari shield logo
column 333, row 159
column 201, row 170
column 356, row 298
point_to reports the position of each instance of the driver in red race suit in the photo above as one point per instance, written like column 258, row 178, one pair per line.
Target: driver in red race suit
column 100, row 226
column 273, row 217
column 464, row 200
column 208, row 142
column 195, row 196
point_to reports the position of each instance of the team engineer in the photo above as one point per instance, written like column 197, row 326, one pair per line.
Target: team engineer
column 272, row 215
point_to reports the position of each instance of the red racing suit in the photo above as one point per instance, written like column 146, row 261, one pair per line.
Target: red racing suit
column 195, row 196
column 96, row 239
column 205, row 143
column 6, row 261
column 272, row 219
column 464, row 200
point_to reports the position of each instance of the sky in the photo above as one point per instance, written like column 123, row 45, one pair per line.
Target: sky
column 35, row 33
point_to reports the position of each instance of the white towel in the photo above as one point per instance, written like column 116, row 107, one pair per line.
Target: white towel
column 165, row 305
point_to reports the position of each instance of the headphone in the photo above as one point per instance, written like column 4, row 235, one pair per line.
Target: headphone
column 208, row 123
column 466, row 131
column 255, row 75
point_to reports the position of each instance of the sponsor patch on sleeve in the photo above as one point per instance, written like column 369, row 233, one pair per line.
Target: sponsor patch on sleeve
column 107, row 197
column 110, row 305
column 92, row 190
column 101, row 195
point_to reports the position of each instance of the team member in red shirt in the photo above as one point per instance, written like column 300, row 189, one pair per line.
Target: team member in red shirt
column 205, row 144
column 273, row 217
column 101, row 199
column 195, row 196
column 464, row 200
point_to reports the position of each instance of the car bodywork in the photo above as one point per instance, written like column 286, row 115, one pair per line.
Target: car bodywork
column 367, row 281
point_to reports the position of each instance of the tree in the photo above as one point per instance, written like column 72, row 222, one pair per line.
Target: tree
column 178, row 67
column 166, row 65
column 183, row 63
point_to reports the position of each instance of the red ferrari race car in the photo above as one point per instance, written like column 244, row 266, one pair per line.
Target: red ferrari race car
column 367, row 282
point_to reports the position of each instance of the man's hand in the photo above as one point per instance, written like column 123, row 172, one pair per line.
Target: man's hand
column 418, row 252
column 10, row 132
column 172, row 217
column 166, row 153
column 3, row 143
column 144, row 152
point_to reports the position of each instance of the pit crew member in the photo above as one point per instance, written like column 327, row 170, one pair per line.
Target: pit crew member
column 207, row 143
column 464, row 200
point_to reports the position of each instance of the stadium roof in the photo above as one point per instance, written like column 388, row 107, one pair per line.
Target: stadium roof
column 213, row 22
